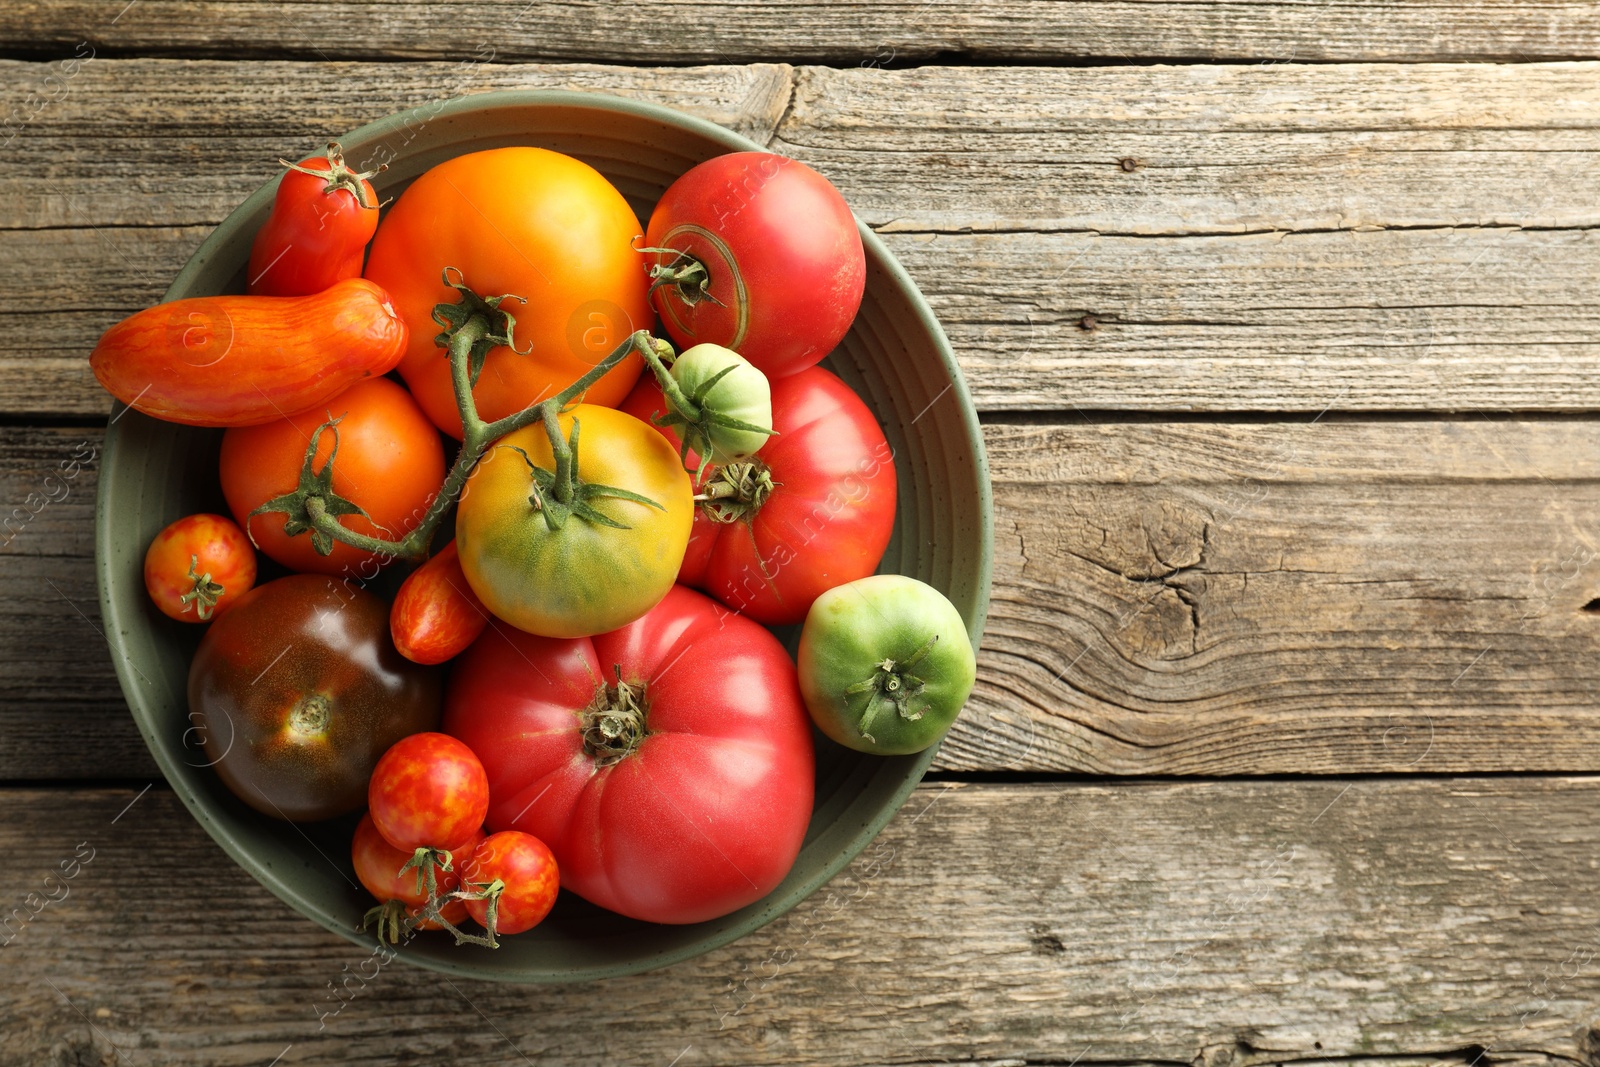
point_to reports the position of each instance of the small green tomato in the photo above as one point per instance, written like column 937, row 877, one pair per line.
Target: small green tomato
column 734, row 396
column 885, row 664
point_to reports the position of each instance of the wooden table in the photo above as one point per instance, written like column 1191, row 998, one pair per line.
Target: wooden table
column 1282, row 319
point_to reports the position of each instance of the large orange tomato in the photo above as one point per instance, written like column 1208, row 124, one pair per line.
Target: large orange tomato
column 390, row 464
column 533, row 223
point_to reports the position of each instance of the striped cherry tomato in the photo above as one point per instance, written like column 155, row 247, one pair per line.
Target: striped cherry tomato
column 436, row 615
column 526, row 871
column 428, row 791
column 197, row 567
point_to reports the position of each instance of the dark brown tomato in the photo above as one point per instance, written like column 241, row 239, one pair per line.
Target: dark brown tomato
column 298, row 690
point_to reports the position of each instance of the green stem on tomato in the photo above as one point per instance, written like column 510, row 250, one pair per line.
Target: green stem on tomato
column 477, row 436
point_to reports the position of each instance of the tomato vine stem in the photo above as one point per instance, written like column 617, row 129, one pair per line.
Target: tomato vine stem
column 475, row 325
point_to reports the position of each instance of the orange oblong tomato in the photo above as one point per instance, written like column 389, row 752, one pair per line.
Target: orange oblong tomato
column 246, row 360
column 528, row 222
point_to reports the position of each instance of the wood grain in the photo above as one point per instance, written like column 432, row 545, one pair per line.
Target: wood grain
column 1212, row 149
column 1079, row 284
column 841, row 33
column 1169, row 599
column 1411, row 320
column 1238, row 923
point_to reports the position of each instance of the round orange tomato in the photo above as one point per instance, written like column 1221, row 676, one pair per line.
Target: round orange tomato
column 533, row 223
column 390, row 464
column 198, row 566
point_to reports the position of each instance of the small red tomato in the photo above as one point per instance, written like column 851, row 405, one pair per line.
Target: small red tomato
column 380, row 867
column 436, row 615
column 322, row 218
column 760, row 254
column 527, row 872
column 197, row 567
column 429, row 790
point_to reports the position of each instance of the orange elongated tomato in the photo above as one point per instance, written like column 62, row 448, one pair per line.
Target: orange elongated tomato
column 535, row 224
column 245, row 360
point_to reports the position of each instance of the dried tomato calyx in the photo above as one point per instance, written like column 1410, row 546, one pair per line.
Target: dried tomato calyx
column 340, row 176
column 737, row 491
column 614, row 722
column 204, row 594
column 685, row 273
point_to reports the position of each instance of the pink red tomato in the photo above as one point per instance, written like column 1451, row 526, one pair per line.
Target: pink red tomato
column 527, row 872
column 428, row 791
column 436, row 615
column 668, row 764
column 814, row 507
column 318, row 231
column 781, row 270
column 198, row 566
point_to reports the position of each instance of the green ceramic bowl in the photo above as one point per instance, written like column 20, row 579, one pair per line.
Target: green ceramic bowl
column 896, row 356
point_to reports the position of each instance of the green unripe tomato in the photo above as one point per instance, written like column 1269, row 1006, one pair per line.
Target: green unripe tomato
column 885, row 664
column 742, row 394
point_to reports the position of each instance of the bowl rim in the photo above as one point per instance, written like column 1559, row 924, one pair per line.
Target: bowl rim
column 115, row 622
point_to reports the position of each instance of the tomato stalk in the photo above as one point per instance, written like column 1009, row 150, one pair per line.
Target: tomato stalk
column 614, row 722
column 685, row 273
column 737, row 491
column 393, row 921
column 205, row 592
column 893, row 684
column 472, row 327
column 340, row 176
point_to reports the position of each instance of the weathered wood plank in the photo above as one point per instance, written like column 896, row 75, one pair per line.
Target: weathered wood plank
column 1213, row 148
column 1440, row 318
column 1203, row 149
column 1418, row 320
column 905, row 31
column 1169, row 599
column 1315, row 596
column 1239, row 923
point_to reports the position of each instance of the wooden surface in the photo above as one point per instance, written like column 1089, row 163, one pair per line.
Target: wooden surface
column 1159, row 923
column 1282, row 322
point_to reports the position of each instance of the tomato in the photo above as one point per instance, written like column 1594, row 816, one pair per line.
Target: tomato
column 379, row 866
column 527, row 870
column 428, row 791
column 767, row 259
column 322, row 217
column 245, row 360
column 885, row 664
column 532, row 223
column 727, row 384
column 813, row 509
column 586, row 577
column 297, row 691
column 390, row 464
column 668, row 764
column 199, row 567
column 436, row 615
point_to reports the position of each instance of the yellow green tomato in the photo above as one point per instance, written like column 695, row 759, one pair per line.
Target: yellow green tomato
column 885, row 664
column 593, row 562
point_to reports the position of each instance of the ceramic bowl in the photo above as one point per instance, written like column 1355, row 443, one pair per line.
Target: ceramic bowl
column 895, row 356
